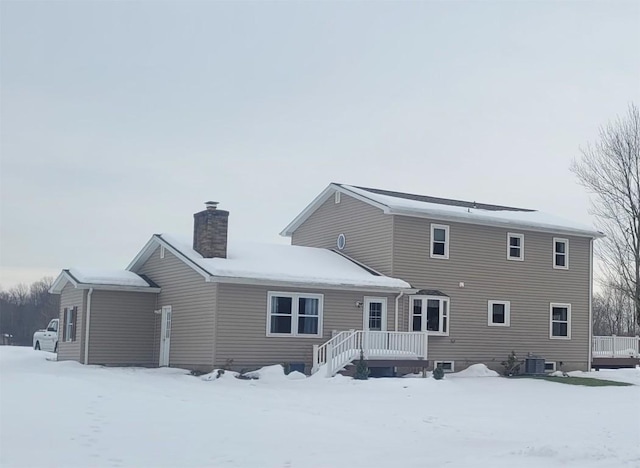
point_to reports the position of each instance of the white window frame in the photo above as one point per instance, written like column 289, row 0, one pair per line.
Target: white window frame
column 553, row 365
column 69, row 332
column 551, row 321
column 446, row 371
column 424, row 314
column 294, row 313
column 507, row 314
column 566, row 253
column 446, row 241
column 519, row 236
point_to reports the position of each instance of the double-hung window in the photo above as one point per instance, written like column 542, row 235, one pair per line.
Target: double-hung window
column 560, row 325
column 294, row 314
column 439, row 241
column 70, row 318
column 515, row 246
column 430, row 314
column 560, row 253
column 499, row 313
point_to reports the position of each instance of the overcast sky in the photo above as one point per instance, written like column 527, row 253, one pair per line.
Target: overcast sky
column 119, row 119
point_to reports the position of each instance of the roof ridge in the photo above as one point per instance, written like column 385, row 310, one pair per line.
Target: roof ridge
column 439, row 200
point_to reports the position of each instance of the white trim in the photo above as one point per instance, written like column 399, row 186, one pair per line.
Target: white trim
column 519, row 236
column 162, row 248
column 294, row 313
column 446, row 371
column 61, row 281
column 365, row 311
column 113, row 287
column 341, row 245
column 165, row 342
column 507, row 313
column 441, row 316
column 566, row 253
column 447, row 241
column 552, row 363
column 568, row 307
column 336, row 197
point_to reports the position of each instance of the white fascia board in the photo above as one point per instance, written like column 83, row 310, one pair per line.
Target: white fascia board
column 113, row 287
column 495, row 223
column 319, row 200
column 150, row 247
column 63, row 278
column 308, row 285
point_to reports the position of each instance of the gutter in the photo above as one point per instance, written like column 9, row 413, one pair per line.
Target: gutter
column 86, row 333
column 590, row 355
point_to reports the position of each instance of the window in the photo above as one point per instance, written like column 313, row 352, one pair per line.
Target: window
column 53, row 326
column 560, row 321
column 439, row 241
column 446, row 366
column 70, row 317
column 560, row 253
column 295, row 314
column 341, row 242
column 550, row 366
column 430, row 313
column 515, row 246
column 499, row 313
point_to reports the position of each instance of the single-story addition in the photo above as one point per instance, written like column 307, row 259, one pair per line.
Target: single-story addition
column 209, row 305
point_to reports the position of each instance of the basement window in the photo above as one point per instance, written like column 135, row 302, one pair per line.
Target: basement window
column 447, row 366
column 294, row 314
column 550, row 366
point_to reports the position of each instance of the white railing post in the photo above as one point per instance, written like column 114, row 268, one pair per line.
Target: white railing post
column 425, row 344
column 614, row 348
column 316, row 361
column 329, row 359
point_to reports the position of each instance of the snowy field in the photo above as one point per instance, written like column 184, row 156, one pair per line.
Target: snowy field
column 62, row 414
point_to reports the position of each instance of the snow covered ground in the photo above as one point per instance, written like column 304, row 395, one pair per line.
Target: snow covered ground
column 66, row 415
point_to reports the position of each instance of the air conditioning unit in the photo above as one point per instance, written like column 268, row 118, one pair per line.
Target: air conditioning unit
column 534, row 365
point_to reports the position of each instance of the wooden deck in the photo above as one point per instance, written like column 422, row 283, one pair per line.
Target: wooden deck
column 598, row 363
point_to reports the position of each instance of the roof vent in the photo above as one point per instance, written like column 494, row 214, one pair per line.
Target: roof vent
column 211, row 205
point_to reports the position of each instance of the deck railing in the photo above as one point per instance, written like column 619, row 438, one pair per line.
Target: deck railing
column 616, row 346
column 346, row 346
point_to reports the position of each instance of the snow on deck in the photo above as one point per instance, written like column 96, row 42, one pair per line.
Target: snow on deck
column 530, row 219
column 107, row 277
column 55, row 414
column 288, row 263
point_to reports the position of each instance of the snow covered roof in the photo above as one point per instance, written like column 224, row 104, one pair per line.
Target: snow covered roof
column 407, row 204
column 274, row 263
column 83, row 278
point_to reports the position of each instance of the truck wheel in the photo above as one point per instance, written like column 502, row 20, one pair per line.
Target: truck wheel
column 37, row 346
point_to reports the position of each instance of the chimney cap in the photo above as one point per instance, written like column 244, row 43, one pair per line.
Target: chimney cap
column 211, row 205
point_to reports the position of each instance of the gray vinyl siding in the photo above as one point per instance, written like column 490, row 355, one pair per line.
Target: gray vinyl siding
column 122, row 328
column 478, row 257
column 241, row 332
column 193, row 302
column 367, row 229
column 72, row 350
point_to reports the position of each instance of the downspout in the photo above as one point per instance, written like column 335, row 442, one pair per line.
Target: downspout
column 590, row 303
column 86, row 332
column 397, row 306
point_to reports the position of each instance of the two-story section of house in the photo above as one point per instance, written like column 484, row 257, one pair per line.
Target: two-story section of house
column 486, row 279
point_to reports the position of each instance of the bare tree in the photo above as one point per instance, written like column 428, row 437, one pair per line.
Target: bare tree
column 610, row 169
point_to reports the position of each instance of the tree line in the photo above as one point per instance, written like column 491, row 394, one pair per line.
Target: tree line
column 25, row 309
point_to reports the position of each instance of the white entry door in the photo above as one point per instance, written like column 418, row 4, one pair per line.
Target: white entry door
column 375, row 313
column 165, row 336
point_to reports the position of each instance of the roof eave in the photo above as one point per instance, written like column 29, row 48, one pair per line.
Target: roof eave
column 495, row 223
column 309, row 285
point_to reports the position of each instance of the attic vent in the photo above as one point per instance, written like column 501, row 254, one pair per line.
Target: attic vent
column 337, row 197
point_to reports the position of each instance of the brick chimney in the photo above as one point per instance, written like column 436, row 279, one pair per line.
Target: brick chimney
column 210, row 231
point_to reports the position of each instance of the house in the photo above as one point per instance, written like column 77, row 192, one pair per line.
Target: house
column 411, row 280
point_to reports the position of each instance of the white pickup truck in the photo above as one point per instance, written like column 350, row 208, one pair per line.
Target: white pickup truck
column 47, row 340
